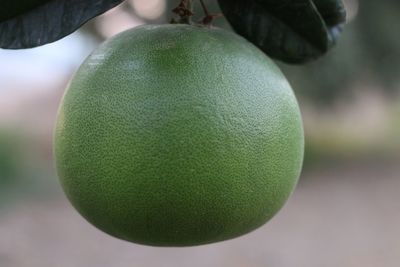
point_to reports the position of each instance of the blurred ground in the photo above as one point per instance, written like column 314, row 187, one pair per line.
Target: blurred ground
column 346, row 216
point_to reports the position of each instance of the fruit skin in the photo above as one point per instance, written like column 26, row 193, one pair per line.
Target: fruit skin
column 178, row 135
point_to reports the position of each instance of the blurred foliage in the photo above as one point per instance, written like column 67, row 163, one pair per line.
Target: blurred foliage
column 369, row 48
column 335, row 148
column 23, row 171
column 378, row 25
column 10, row 153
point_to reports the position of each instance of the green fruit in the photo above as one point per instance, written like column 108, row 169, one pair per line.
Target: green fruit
column 178, row 135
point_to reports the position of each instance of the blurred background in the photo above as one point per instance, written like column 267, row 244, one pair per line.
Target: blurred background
column 345, row 211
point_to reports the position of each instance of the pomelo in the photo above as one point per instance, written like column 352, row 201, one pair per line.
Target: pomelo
column 178, row 135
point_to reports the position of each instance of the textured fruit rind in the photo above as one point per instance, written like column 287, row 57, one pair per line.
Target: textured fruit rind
column 178, row 135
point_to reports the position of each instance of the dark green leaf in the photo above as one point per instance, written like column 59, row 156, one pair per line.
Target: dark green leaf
column 31, row 23
column 294, row 31
column 10, row 9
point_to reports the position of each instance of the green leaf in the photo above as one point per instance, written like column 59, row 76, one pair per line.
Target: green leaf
column 31, row 23
column 294, row 31
column 10, row 9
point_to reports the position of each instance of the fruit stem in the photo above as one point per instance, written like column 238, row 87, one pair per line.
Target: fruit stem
column 208, row 19
column 205, row 9
column 185, row 12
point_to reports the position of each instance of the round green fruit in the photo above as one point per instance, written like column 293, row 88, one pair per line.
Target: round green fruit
column 178, row 135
